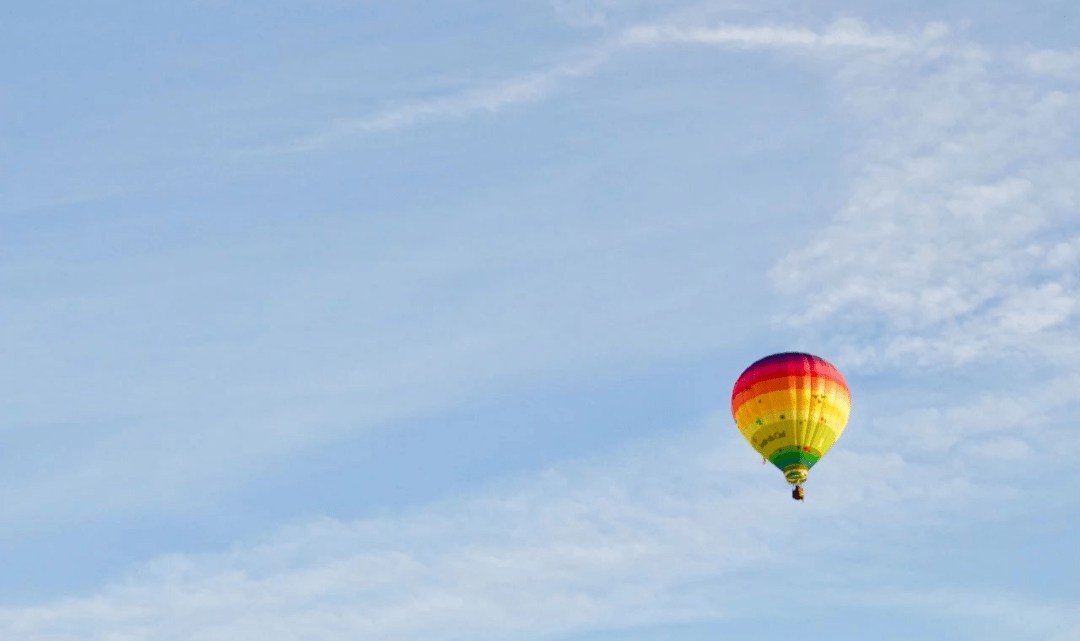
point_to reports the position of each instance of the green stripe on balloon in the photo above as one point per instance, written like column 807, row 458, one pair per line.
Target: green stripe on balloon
column 790, row 456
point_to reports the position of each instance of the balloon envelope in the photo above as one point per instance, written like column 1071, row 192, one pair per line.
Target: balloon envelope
column 791, row 408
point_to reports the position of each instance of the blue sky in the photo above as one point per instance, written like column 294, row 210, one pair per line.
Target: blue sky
column 419, row 320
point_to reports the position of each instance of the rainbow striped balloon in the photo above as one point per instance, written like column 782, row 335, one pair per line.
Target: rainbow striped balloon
column 791, row 407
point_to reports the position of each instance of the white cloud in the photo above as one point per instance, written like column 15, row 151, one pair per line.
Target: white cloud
column 1051, row 621
column 486, row 99
column 950, row 248
column 1061, row 256
column 590, row 13
column 843, row 35
column 1005, row 448
column 1049, row 62
column 939, row 429
column 561, row 552
column 654, row 534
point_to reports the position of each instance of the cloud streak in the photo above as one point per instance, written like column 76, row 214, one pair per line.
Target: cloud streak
column 844, row 35
column 851, row 35
column 488, row 99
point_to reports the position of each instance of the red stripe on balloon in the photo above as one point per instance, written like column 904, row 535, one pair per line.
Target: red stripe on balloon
column 793, row 367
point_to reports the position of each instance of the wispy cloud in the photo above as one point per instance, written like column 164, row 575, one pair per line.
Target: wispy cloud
column 1050, row 62
column 675, row 530
column 586, row 13
column 1054, row 621
column 538, row 85
column 486, row 99
column 843, row 34
column 957, row 238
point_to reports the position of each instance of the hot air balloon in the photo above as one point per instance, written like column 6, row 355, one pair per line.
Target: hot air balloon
column 791, row 407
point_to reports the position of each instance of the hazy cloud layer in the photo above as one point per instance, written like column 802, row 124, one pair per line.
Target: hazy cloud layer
column 655, row 534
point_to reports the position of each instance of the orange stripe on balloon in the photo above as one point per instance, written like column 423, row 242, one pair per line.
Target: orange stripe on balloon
column 786, row 371
column 804, row 384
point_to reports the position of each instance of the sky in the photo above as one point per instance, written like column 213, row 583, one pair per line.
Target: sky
column 419, row 320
